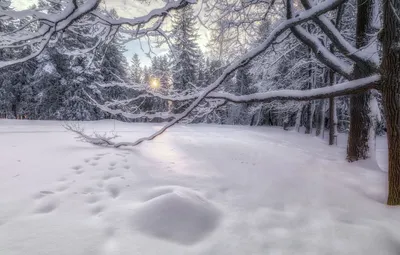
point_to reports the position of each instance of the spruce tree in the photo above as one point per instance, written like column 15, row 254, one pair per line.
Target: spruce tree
column 185, row 55
column 136, row 72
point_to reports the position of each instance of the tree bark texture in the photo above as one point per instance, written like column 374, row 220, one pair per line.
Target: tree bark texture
column 360, row 122
column 332, row 124
column 390, row 70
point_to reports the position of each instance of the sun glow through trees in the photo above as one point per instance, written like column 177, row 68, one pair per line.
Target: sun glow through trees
column 154, row 83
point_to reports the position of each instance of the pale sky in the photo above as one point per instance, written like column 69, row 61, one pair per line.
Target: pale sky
column 128, row 9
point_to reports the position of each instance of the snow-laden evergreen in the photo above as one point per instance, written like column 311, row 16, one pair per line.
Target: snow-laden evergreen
column 185, row 53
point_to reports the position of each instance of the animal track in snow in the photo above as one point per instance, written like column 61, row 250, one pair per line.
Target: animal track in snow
column 62, row 179
column 46, row 206
column 87, row 190
column 113, row 163
column 87, row 160
column 96, row 209
column 46, row 192
column 81, row 171
column 78, row 172
column 96, row 158
column 127, row 167
column 109, row 176
column 62, row 188
column 42, row 194
column 94, row 164
column 92, row 199
column 113, row 191
column 111, row 168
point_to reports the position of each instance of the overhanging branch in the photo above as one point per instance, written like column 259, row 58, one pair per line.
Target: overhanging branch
column 346, row 88
column 340, row 42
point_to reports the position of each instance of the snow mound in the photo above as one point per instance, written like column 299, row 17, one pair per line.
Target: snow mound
column 176, row 214
column 159, row 191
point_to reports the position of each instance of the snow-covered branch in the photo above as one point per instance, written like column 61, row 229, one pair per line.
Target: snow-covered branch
column 339, row 41
column 39, row 27
column 160, row 12
column 346, row 88
column 240, row 62
column 129, row 115
column 107, row 141
column 96, row 139
column 320, row 51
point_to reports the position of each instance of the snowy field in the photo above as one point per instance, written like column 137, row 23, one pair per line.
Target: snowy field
column 198, row 189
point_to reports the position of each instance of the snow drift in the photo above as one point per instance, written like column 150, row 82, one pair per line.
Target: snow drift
column 176, row 214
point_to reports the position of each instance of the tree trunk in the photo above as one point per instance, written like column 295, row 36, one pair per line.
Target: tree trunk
column 332, row 110
column 307, row 118
column 298, row 118
column 312, row 116
column 358, row 142
column 331, row 121
column 390, row 70
column 308, row 113
column 320, row 117
column 360, row 123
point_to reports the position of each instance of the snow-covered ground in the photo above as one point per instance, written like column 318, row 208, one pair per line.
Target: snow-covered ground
column 198, row 189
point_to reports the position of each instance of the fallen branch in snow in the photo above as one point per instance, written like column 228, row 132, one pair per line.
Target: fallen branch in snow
column 106, row 141
column 96, row 139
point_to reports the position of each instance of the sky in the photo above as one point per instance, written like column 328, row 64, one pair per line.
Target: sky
column 128, row 9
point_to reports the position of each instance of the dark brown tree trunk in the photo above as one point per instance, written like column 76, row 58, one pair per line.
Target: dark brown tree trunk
column 332, row 124
column 390, row 70
column 331, row 78
column 319, row 117
column 358, row 142
column 358, row 146
column 307, row 116
column 331, row 121
column 308, row 113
